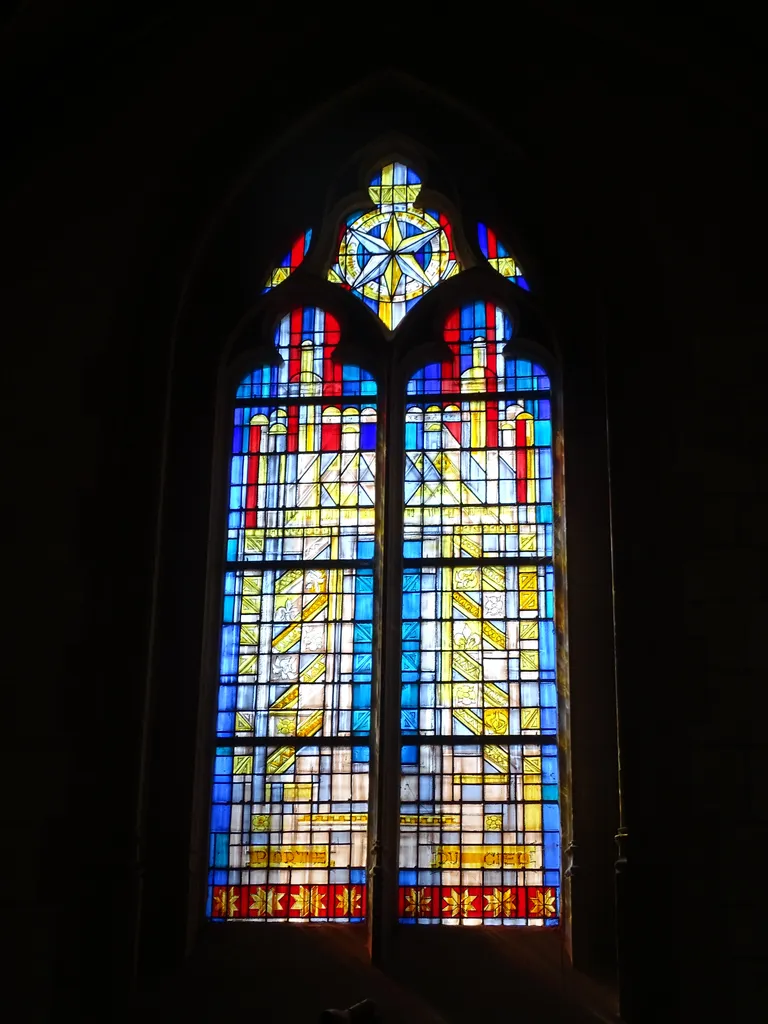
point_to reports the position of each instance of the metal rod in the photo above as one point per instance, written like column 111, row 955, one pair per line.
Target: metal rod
column 287, row 564
column 485, row 739
column 351, row 401
column 482, row 561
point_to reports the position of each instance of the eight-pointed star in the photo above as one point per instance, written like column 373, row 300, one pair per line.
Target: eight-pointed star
column 392, row 255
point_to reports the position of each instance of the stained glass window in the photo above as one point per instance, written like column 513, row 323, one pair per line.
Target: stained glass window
column 290, row 792
column 479, row 825
column 290, row 261
column 392, row 255
column 499, row 256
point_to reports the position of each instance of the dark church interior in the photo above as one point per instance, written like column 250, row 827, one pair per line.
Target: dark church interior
column 155, row 165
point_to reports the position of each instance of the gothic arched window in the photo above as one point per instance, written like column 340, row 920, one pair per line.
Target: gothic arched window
column 389, row 699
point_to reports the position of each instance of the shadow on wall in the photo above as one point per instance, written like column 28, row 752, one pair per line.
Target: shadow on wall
column 298, row 974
